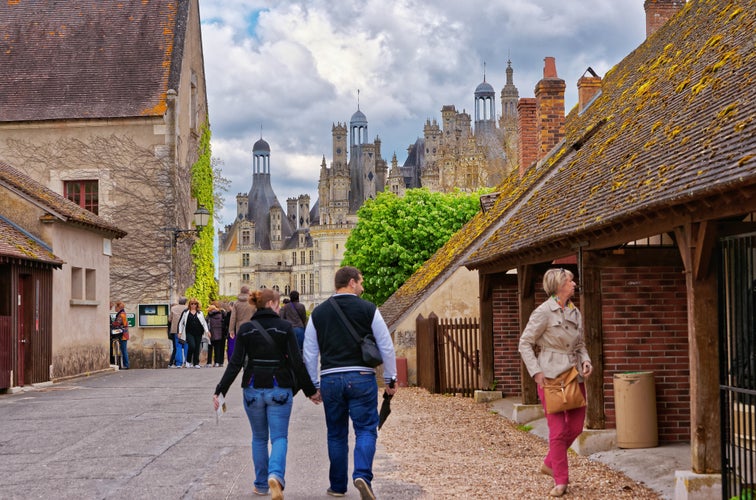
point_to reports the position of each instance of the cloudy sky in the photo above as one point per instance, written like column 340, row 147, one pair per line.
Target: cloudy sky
column 293, row 67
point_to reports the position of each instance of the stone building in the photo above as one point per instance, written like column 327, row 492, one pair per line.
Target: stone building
column 461, row 153
column 265, row 246
column 302, row 248
column 104, row 104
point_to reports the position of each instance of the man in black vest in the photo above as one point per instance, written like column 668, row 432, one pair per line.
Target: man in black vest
column 347, row 387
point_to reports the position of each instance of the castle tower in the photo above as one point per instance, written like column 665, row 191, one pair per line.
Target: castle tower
column 485, row 108
column 262, row 200
column 358, row 129
column 509, row 97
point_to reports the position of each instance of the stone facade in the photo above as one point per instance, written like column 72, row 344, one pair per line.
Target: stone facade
column 133, row 136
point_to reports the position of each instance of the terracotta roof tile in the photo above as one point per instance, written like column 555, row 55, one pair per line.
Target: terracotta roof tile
column 675, row 122
column 89, row 58
column 15, row 244
column 52, row 201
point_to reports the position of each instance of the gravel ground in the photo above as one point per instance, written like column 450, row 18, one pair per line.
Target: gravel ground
column 452, row 447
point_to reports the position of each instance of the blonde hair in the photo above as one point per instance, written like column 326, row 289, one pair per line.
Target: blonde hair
column 554, row 278
column 120, row 305
column 260, row 297
column 193, row 301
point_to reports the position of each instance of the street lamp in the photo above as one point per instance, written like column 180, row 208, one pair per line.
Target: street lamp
column 201, row 219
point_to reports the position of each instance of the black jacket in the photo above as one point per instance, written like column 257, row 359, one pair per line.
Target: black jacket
column 264, row 361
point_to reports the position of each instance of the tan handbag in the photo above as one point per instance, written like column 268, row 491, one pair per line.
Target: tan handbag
column 563, row 392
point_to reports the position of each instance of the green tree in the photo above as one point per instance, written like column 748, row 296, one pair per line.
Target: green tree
column 395, row 235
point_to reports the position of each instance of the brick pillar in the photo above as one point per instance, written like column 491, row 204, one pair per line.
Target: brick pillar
column 527, row 136
column 549, row 95
column 658, row 12
column 588, row 86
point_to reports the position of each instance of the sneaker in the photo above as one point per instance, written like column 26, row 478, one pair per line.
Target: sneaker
column 260, row 493
column 197, row 366
column 216, row 365
column 366, row 492
column 332, row 493
column 207, row 365
column 276, row 491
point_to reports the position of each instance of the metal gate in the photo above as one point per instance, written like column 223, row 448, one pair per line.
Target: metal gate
column 737, row 361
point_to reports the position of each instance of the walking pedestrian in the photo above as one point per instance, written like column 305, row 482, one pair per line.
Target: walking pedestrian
column 295, row 313
column 122, row 322
column 179, row 346
column 556, row 327
column 347, row 387
column 192, row 327
column 241, row 312
column 267, row 383
column 215, row 323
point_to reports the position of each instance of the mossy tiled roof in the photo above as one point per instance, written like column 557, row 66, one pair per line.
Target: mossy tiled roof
column 53, row 202
column 88, row 58
column 16, row 245
column 675, row 123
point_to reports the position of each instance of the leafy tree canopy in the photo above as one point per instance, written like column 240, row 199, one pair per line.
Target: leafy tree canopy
column 395, row 235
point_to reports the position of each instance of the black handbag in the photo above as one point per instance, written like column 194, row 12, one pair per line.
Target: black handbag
column 294, row 382
column 371, row 355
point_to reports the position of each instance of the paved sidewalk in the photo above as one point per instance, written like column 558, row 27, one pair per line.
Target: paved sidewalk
column 153, row 434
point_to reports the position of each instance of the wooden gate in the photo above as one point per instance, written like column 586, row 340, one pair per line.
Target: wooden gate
column 448, row 355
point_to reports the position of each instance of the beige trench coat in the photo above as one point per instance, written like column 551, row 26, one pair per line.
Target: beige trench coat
column 559, row 335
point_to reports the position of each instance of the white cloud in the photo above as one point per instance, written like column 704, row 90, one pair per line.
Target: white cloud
column 294, row 67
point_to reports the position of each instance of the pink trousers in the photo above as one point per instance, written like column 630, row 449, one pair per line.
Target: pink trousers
column 564, row 428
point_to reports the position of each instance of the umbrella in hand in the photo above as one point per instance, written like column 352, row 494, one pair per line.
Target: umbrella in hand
column 385, row 406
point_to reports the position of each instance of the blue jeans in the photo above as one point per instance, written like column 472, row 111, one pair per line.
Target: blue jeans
column 350, row 395
column 181, row 350
column 124, row 352
column 268, row 411
column 299, row 332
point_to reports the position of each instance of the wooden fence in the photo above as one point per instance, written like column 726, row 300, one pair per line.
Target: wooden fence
column 448, row 355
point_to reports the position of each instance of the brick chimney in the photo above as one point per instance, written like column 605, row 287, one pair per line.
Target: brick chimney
column 588, row 87
column 549, row 95
column 527, row 138
column 658, row 12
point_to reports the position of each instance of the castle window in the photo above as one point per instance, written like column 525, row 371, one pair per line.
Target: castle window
column 245, row 237
column 245, row 277
column 245, row 259
column 293, row 258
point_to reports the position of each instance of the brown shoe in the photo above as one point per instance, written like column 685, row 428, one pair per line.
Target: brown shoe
column 366, row 492
column 545, row 469
column 558, row 490
column 276, row 492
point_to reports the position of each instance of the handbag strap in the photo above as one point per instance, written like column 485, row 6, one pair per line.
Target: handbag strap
column 267, row 337
column 344, row 319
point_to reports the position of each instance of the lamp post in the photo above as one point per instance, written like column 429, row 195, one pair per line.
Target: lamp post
column 201, row 219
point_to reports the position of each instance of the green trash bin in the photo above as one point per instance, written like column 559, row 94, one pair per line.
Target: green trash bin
column 635, row 407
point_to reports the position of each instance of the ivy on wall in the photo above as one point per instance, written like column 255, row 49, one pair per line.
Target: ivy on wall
column 205, row 288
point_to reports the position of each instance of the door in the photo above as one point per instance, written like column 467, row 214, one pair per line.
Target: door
column 25, row 309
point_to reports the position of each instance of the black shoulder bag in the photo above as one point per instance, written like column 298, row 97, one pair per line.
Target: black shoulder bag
column 371, row 355
column 284, row 360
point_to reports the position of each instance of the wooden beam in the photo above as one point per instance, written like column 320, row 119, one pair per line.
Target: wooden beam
column 703, row 346
column 486, row 331
column 591, row 305
column 526, row 298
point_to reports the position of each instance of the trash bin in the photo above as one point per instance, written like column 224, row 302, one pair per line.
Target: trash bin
column 635, row 406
